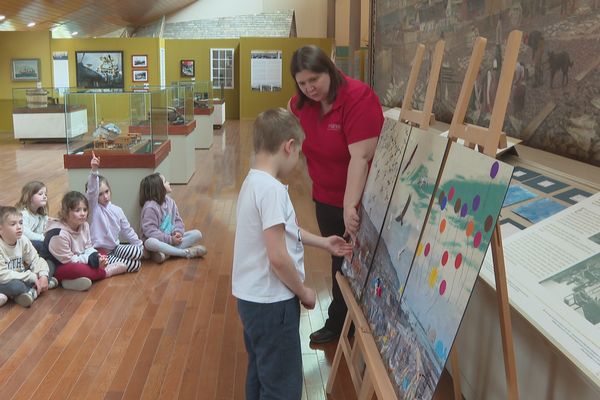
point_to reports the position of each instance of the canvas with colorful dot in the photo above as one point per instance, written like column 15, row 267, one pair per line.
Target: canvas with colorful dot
column 395, row 251
column 459, row 228
column 378, row 190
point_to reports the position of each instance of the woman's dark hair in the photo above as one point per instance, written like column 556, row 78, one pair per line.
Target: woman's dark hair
column 152, row 187
column 69, row 202
column 314, row 59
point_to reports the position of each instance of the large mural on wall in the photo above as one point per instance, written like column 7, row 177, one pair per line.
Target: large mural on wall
column 555, row 99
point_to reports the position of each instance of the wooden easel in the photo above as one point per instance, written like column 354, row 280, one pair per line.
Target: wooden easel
column 487, row 141
column 372, row 378
column 368, row 373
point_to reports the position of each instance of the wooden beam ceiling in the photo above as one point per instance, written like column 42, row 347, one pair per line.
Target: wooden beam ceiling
column 87, row 17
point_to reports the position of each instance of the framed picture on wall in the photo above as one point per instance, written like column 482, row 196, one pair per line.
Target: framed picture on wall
column 139, row 61
column 99, row 69
column 25, row 69
column 139, row 75
column 187, row 68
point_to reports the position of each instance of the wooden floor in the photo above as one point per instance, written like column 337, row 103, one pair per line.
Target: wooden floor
column 168, row 331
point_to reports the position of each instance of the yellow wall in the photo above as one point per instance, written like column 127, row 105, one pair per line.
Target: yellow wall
column 199, row 51
column 253, row 103
column 129, row 47
column 33, row 44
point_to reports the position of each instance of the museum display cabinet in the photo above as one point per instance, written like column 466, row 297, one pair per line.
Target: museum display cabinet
column 219, row 105
column 128, row 131
column 41, row 113
column 181, row 129
column 203, row 113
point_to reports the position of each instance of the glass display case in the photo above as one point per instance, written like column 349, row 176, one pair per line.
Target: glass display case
column 118, row 122
column 38, row 98
column 180, row 97
column 203, row 94
column 39, row 113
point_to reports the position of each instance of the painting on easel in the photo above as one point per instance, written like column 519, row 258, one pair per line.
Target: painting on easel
column 403, row 226
column 459, row 228
column 375, row 200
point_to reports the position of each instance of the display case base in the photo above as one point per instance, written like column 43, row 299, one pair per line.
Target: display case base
column 204, row 128
column 124, row 172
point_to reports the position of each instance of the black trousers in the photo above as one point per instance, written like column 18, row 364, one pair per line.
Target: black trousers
column 331, row 222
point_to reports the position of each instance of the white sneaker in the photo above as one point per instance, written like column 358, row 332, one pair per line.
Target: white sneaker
column 3, row 299
column 26, row 299
column 158, row 257
column 78, row 284
column 52, row 283
column 195, row 251
column 115, row 269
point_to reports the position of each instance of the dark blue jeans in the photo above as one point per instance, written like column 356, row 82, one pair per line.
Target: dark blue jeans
column 272, row 338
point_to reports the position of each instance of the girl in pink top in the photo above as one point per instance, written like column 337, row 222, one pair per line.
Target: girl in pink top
column 68, row 240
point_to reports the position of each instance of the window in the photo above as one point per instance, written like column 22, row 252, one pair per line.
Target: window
column 221, row 71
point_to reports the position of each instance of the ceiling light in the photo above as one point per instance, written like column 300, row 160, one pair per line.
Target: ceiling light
column 31, row 24
column 2, row 17
column 74, row 33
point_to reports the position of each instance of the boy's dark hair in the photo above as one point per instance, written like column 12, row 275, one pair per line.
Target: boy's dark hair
column 101, row 180
column 273, row 127
column 152, row 187
column 69, row 202
column 27, row 193
column 314, row 59
column 8, row 211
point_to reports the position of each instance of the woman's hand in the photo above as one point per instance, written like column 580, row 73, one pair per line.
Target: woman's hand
column 351, row 221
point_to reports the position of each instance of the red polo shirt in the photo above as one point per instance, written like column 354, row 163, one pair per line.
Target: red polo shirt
column 355, row 115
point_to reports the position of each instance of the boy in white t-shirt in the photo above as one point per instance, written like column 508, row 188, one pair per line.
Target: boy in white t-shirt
column 268, row 261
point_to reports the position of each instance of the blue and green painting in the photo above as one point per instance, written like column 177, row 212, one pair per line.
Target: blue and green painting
column 447, row 261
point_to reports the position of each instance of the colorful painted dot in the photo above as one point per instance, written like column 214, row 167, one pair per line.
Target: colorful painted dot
column 427, row 248
column 470, row 227
column 494, row 169
column 405, row 383
column 442, row 225
column 442, row 287
column 464, row 210
column 451, row 193
column 442, row 197
column 476, row 202
column 419, row 249
column 477, row 240
column 458, row 261
column 433, row 277
column 457, row 206
column 445, row 257
column 443, row 202
column 488, row 223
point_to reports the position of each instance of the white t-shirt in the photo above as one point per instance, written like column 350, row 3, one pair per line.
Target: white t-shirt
column 263, row 202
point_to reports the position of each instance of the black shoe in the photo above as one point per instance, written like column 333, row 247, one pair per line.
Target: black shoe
column 323, row 335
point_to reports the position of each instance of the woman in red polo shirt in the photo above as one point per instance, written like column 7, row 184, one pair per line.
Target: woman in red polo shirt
column 342, row 120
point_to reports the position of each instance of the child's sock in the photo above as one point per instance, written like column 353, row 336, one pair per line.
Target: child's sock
column 3, row 299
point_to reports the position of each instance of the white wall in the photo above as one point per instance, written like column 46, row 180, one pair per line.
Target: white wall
column 311, row 15
column 205, row 9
